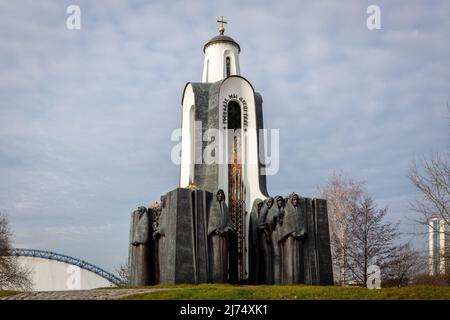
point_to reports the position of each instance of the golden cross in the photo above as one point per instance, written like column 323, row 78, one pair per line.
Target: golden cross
column 221, row 21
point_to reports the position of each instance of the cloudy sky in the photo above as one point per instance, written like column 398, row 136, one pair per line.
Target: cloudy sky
column 86, row 115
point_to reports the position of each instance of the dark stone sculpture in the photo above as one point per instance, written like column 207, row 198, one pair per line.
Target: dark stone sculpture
column 265, row 244
column 140, row 247
column 292, row 232
column 219, row 227
column 182, row 237
column 186, row 239
column 159, row 232
column 188, row 226
column 276, row 215
column 322, row 239
column 254, row 263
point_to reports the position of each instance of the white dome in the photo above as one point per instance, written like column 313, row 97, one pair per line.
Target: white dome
column 221, row 59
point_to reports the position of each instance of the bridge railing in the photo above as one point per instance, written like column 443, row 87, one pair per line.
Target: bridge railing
column 67, row 259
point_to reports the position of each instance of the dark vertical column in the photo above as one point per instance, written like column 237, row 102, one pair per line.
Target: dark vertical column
column 201, row 237
column 167, row 246
column 185, row 256
column 185, row 237
column 193, row 214
column 309, row 252
column 325, row 268
column 261, row 146
column 233, row 258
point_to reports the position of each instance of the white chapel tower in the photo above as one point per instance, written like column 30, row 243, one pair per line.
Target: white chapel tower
column 221, row 146
column 220, row 225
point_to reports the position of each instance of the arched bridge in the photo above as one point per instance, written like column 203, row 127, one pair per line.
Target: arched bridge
column 67, row 259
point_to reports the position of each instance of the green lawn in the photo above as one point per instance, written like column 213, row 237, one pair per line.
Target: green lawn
column 7, row 293
column 292, row 292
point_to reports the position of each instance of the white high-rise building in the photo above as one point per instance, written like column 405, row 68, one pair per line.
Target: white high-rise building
column 439, row 246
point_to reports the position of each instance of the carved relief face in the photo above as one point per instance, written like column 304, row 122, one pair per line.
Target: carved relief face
column 280, row 202
column 141, row 211
column 220, row 195
column 295, row 200
column 260, row 204
column 163, row 201
column 270, row 202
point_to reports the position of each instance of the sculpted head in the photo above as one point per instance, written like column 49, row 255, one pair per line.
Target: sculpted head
column 163, row 201
column 269, row 202
column 280, row 201
column 259, row 205
column 220, row 196
column 294, row 199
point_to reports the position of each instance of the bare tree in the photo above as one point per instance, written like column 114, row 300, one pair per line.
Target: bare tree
column 342, row 194
column 405, row 266
column 370, row 239
column 359, row 234
column 123, row 273
column 12, row 275
column 431, row 177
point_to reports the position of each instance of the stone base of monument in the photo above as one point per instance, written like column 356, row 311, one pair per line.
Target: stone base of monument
column 186, row 239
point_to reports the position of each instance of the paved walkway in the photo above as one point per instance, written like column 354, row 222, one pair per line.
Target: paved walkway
column 94, row 294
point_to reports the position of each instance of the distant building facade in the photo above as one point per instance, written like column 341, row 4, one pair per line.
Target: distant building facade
column 439, row 246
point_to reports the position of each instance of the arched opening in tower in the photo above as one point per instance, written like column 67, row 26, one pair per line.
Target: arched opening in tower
column 235, row 193
column 228, row 66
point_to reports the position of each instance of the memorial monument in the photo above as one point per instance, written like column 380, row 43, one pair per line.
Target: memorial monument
column 221, row 225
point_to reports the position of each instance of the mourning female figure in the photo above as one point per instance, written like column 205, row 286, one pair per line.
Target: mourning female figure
column 264, row 243
column 219, row 227
column 158, row 227
column 253, row 242
column 140, row 253
column 291, row 234
column 275, row 216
